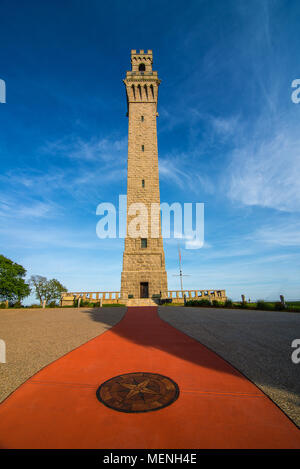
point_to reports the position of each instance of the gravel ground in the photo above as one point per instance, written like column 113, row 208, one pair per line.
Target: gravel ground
column 36, row 337
column 257, row 343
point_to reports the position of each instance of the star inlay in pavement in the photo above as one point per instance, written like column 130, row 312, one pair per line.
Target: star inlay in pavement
column 138, row 388
column 138, row 392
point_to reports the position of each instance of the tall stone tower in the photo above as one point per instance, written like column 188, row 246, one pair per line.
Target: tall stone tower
column 144, row 273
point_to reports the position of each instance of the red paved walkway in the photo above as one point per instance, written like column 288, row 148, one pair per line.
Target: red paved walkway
column 217, row 406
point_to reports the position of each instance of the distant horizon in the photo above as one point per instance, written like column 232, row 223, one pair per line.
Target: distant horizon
column 228, row 137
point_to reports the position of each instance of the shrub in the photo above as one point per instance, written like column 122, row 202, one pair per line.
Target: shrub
column 88, row 304
column 52, row 304
column 295, row 308
column 83, row 303
column 261, row 304
column 217, row 304
column 204, row 302
column 165, row 301
column 198, row 303
column 174, row 304
column 293, row 304
column 95, row 304
column 16, row 304
column 279, row 306
column 228, row 303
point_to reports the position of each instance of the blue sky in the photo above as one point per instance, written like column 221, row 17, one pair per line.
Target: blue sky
column 228, row 136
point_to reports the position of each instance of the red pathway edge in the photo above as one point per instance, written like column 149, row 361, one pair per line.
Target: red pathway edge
column 217, row 406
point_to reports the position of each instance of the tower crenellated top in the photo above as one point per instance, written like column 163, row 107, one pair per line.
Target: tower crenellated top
column 141, row 65
column 141, row 61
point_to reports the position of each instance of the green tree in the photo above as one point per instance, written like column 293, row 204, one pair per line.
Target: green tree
column 12, row 284
column 49, row 290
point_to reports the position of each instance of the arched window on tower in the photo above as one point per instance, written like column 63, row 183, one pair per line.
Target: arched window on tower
column 152, row 91
column 142, row 68
column 133, row 91
column 140, row 91
column 146, row 91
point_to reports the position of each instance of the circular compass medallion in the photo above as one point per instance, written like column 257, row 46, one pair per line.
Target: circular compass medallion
column 138, row 392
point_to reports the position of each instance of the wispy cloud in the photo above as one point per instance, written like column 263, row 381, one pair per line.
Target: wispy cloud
column 265, row 171
column 14, row 208
column 95, row 149
column 224, row 126
column 96, row 164
column 177, row 169
column 287, row 234
column 41, row 236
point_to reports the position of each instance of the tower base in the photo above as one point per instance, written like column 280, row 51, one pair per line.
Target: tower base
column 144, row 285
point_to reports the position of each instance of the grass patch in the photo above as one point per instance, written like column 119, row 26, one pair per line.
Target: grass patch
column 172, row 304
column 112, row 305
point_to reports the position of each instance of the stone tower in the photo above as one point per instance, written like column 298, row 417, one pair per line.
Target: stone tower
column 144, row 273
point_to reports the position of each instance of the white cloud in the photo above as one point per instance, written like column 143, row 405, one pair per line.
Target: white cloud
column 224, row 126
column 21, row 235
column 95, row 149
column 172, row 168
column 10, row 208
column 284, row 235
column 73, row 180
column 194, row 244
column 265, row 171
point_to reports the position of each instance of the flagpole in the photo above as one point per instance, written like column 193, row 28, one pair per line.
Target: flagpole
column 180, row 269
